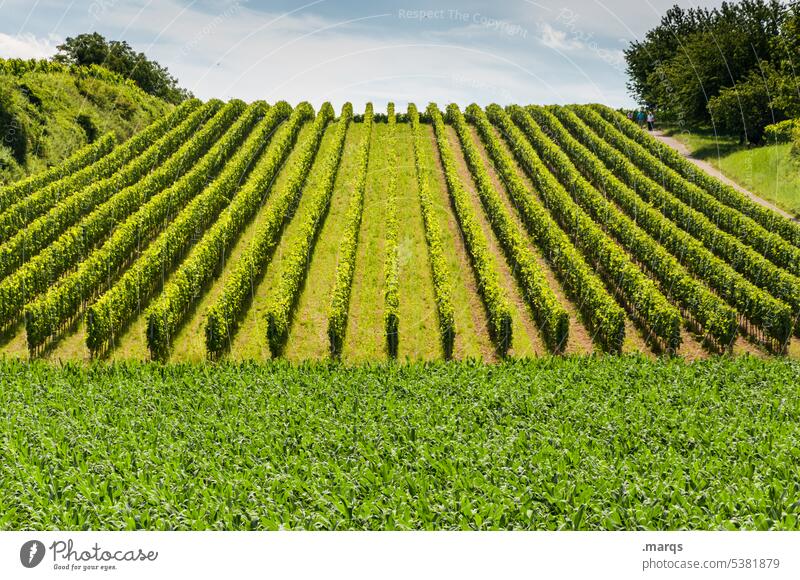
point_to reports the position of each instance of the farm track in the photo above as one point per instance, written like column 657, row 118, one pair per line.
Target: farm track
column 419, row 330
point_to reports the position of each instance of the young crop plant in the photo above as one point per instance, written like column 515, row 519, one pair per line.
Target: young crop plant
column 79, row 160
column 768, row 219
column 63, row 301
column 707, row 310
column 640, row 294
column 599, row 310
column 442, row 284
column 107, row 317
column 391, row 266
column 345, row 269
column 222, row 318
column 281, row 302
column 551, row 316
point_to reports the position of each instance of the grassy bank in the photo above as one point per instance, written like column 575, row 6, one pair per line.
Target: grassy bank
column 577, row 442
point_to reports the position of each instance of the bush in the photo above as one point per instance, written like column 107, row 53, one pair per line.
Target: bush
column 780, row 132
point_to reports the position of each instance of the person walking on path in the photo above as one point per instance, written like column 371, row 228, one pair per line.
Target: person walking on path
column 640, row 118
column 651, row 121
column 630, row 115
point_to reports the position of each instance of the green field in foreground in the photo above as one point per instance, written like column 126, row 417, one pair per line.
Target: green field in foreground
column 768, row 171
column 576, row 442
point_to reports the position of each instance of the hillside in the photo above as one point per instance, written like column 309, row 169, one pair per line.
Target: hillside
column 256, row 231
column 49, row 111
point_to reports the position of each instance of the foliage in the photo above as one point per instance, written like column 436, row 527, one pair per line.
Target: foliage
column 169, row 311
column 733, row 64
column 550, row 314
column 599, row 310
column 782, row 132
column 119, row 57
column 282, row 300
column 495, row 297
column 146, row 211
column 723, row 192
column 222, row 318
column 345, row 268
column 391, row 267
column 441, row 276
column 107, row 317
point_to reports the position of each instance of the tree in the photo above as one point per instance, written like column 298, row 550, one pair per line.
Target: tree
column 151, row 77
column 744, row 110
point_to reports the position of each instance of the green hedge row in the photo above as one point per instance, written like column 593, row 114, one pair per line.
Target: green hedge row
column 771, row 315
column 34, row 236
column 551, row 316
column 744, row 259
column 391, row 264
column 442, row 284
column 63, row 301
column 709, row 311
column 43, row 269
column 638, row 291
column 600, row 312
column 771, row 245
column 82, row 158
column 21, row 213
column 770, row 220
column 282, row 300
column 495, row 298
column 111, row 313
column 345, row 268
column 169, row 310
column 222, row 317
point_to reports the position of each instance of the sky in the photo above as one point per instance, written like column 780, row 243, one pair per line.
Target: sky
column 509, row 51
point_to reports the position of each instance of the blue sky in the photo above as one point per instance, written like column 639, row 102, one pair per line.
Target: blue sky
column 523, row 51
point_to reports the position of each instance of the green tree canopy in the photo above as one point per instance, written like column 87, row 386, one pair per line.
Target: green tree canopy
column 118, row 56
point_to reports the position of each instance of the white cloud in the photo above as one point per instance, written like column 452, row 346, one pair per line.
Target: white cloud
column 26, row 45
column 558, row 39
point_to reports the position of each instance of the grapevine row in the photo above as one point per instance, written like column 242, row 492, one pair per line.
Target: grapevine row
column 169, row 310
column 44, row 268
column 709, row 311
column 742, row 258
column 551, row 316
column 728, row 195
column 494, row 295
column 82, row 158
column 111, row 313
column 25, row 210
column 30, row 240
column 771, row 245
column 281, row 302
column 340, row 297
column 223, row 316
column 599, row 310
column 640, row 294
column 442, row 286
column 760, row 308
column 391, row 265
column 61, row 303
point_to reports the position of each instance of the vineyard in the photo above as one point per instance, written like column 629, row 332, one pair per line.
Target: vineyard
column 235, row 231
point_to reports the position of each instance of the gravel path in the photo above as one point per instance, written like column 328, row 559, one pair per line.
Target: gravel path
column 711, row 170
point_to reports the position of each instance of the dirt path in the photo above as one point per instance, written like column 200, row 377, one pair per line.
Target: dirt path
column 714, row 172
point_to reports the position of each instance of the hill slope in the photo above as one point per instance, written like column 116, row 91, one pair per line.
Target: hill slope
column 48, row 111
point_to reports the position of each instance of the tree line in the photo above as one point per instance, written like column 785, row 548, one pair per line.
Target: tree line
column 734, row 67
